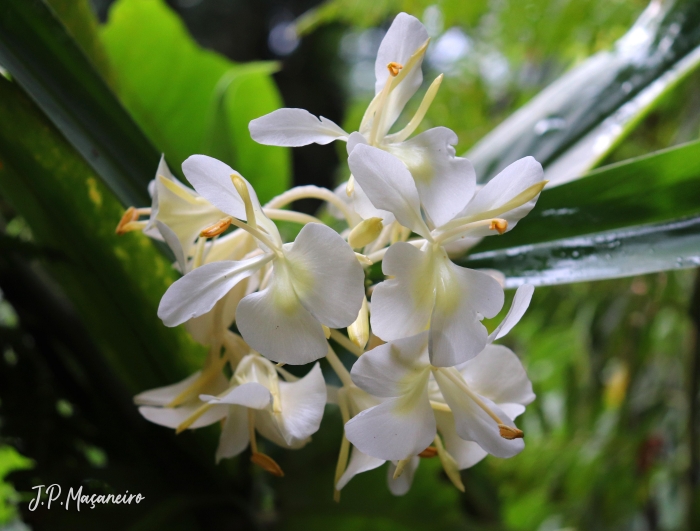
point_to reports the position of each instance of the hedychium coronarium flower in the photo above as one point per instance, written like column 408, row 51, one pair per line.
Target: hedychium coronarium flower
column 426, row 290
column 430, row 155
column 473, row 402
column 313, row 282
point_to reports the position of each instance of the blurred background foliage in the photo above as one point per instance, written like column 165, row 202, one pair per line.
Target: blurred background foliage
column 613, row 440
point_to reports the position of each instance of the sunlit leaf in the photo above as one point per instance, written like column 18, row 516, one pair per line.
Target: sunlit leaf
column 190, row 100
column 577, row 120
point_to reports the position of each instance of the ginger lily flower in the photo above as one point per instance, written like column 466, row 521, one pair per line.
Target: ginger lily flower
column 426, row 289
column 483, row 395
column 284, row 412
column 430, row 156
column 314, row 281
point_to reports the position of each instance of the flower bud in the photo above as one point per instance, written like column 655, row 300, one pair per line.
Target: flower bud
column 358, row 332
column 365, row 233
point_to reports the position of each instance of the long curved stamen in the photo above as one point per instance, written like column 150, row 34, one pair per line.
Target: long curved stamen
column 290, row 215
column 505, row 431
column 208, row 374
column 255, row 232
column 338, row 367
column 449, row 465
column 346, row 343
column 313, row 192
column 497, row 224
column 344, row 444
column 420, row 113
column 379, row 114
column 523, row 197
column 242, row 190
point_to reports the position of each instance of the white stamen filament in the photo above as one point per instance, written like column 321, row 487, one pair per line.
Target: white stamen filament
column 198, row 253
column 345, row 342
column 455, row 233
column 290, row 215
column 344, row 443
column 242, row 189
column 420, row 113
column 456, row 378
column 338, row 367
column 400, row 466
column 258, row 234
column 313, row 192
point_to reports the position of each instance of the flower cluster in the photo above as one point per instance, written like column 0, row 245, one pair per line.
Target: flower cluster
column 428, row 380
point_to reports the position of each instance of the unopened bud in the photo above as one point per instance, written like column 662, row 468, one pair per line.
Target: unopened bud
column 129, row 216
column 429, row 452
column 350, row 186
column 394, row 68
column 510, row 433
column 267, row 463
column 365, row 232
column 499, row 225
column 358, row 332
column 216, row 229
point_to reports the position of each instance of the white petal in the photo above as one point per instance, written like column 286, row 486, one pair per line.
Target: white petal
column 472, row 423
column 445, row 183
column 393, row 369
column 463, row 297
column 401, row 306
column 172, row 417
column 513, row 180
column 395, row 429
column 359, row 463
column 326, row 275
column 198, row 291
column 267, row 425
column 151, row 230
column 498, row 375
column 521, row 301
column 403, row 39
column 250, row 394
column 174, row 243
column 365, row 209
column 234, row 433
column 164, row 395
column 389, row 185
column 276, row 324
column 212, row 180
column 465, row 453
column 302, row 403
column 294, row 128
column 402, row 484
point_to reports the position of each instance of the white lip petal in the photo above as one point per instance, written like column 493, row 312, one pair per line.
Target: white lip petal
column 402, row 484
column 401, row 306
column 392, row 369
column 276, row 324
column 498, row 375
column 266, row 423
column 212, row 180
column 172, row 417
column 234, row 433
column 465, row 453
column 302, row 404
column 359, row 462
column 389, row 185
column 365, row 209
column 445, row 183
column 249, row 394
column 174, row 243
column 513, row 180
column 521, row 301
column 164, row 395
column 395, row 429
column 198, row 291
column 294, row 128
column 472, row 423
column 463, row 296
column 326, row 275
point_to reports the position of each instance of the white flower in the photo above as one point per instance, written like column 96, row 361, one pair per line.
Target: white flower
column 441, row 177
column 314, row 281
column 482, row 395
column 426, row 288
column 286, row 413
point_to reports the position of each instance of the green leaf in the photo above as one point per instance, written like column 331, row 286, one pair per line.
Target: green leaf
column 570, row 126
column 115, row 282
column 190, row 100
column 43, row 58
column 613, row 254
column 657, row 187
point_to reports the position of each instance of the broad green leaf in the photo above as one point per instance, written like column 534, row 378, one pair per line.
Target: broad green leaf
column 571, row 125
column 42, row 57
column 658, row 187
column 115, row 282
column 190, row 100
column 612, row 254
